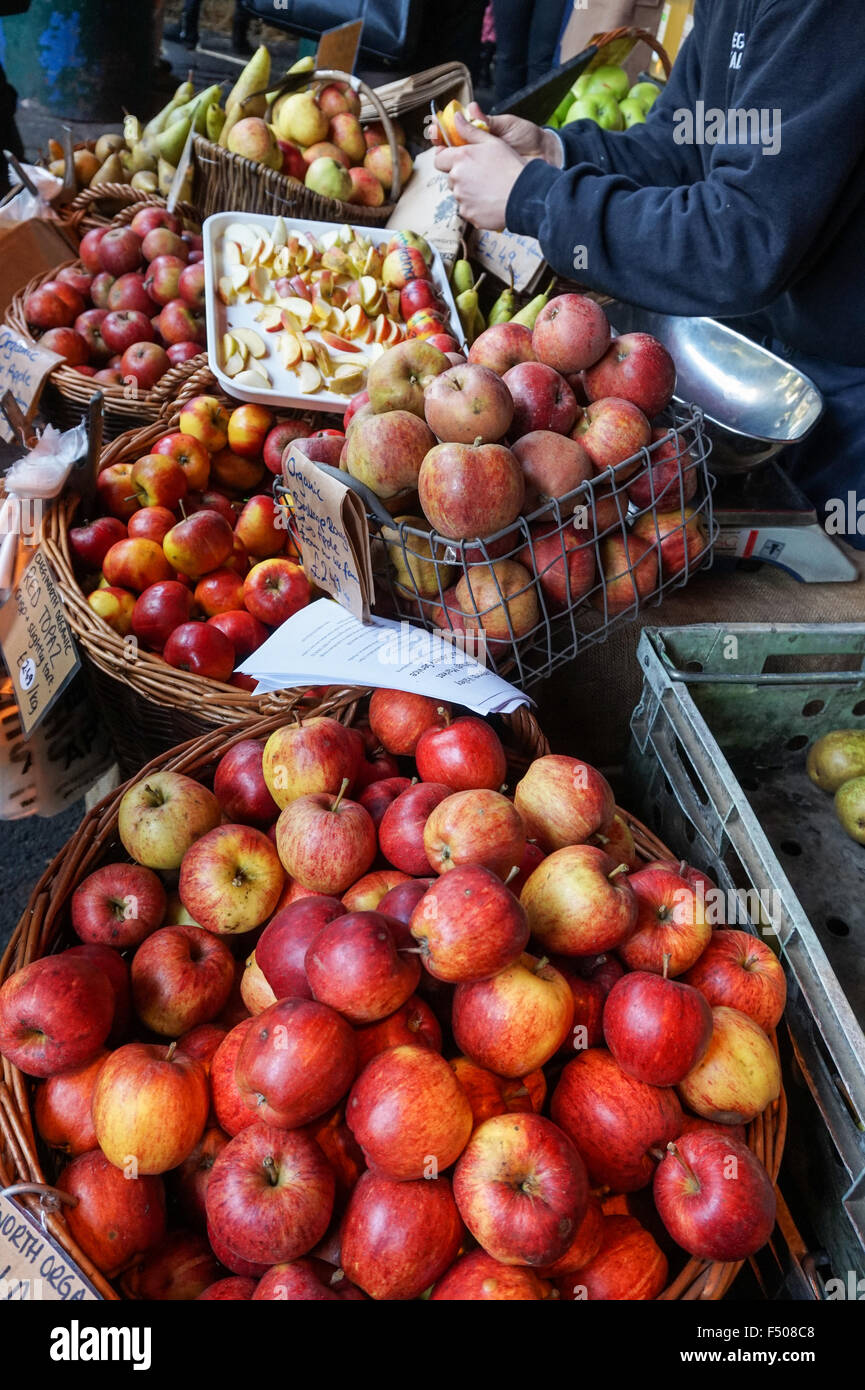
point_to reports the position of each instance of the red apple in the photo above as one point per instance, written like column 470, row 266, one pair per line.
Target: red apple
column 180, row 1268
column 295, row 1063
column 516, row 1021
column 468, row 405
column 120, row 250
column 283, row 944
column 118, row 905
column 466, row 754
column 738, row 1075
column 657, row 1029
column 681, row 537
column 612, row 431
column 310, row 756
column 123, row 328
column 670, row 480
column 715, row 1197
column 521, row 1188
column 325, row 842
column 151, row 523
column 248, row 430
column 467, row 490
column 563, row 560
column 128, row 292
column 199, row 544
column 201, row 649
column 159, row 610
column 571, row 332
column 308, row 1281
column 181, row 977
column 55, row 1014
column 278, row 439
column 614, row 1120
column 738, row 970
column 409, row 1114
column 68, row 344
column 240, row 788
column 234, row 1289
column 231, row 878
column 136, row 564
column 630, row 573
column 113, row 1219
column 502, row 346
column 553, row 465
column 578, row 902
column 399, row 717
column 671, row 921
column 628, row 1266
column 89, row 326
column 477, row 1277
column 270, row 1194
column 413, row 1023
column 275, row 589
column 401, row 833
column 379, row 795
column 61, row 1108
column 478, row 827
column 91, row 543
column 89, row 248
column 401, row 901
column 146, row 362
column 229, row 1105
column 101, row 288
column 636, row 367
column 585, row 1243
column 258, row 527
column 150, row 1104
column 366, row 894
column 469, row 926
column 542, row 398
column 563, row 801
column 399, row 1237
column 45, row 309
column 354, row 966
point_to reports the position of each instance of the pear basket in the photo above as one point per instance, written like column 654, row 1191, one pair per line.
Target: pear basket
column 68, row 393
column 149, row 706
column 44, row 928
column 223, row 180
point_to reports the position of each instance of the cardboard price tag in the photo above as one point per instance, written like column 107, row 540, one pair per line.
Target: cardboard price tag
column 503, row 253
column 333, row 531
column 24, row 368
column 32, row 1264
column 37, row 643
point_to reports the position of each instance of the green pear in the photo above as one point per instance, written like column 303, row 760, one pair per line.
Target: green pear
column 330, row 179
column 300, row 118
column 145, row 181
column 835, row 758
column 184, row 93
column 254, row 78
column 413, row 563
column 112, row 171
column 131, row 130
column 108, row 144
column 850, row 808
column 170, row 143
column 165, row 175
column 137, row 160
column 214, row 121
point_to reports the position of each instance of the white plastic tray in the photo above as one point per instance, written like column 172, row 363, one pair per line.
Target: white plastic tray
column 222, row 318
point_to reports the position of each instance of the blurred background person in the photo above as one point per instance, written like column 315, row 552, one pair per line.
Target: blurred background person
column 186, row 32
column 527, row 36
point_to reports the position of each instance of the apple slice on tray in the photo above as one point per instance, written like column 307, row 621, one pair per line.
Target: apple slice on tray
column 248, row 338
column 308, row 378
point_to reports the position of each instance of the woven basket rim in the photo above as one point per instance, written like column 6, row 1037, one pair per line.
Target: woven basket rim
column 79, row 389
column 147, row 673
column 41, row 923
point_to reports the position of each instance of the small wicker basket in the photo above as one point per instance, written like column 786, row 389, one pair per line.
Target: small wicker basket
column 44, row 927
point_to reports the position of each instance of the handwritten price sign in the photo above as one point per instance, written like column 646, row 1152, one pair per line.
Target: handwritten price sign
column 23, row 369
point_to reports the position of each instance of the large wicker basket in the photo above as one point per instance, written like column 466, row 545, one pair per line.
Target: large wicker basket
column 44, row 926
column 104, row 204
column 148, row 706
column 224, row 182
column 67, row 393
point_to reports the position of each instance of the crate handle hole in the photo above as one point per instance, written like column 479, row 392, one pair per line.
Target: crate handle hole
column 797, row 742
column 859, row 709
column 837, row 926
column 791, row 847
column 813, row 707
column 694, row 666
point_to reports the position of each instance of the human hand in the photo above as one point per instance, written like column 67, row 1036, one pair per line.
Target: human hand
column 482, row 173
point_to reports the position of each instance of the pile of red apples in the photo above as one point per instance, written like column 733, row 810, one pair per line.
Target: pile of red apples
column 190, row 554
column 549, row 445
column 359, row 1022
column 132, row 307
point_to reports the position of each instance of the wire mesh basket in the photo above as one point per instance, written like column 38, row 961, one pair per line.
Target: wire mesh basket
column 528, row 599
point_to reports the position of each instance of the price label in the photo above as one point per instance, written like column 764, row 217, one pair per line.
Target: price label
column 37, row 643
column 33, row 1266
column 334, row 537
column 23, row 370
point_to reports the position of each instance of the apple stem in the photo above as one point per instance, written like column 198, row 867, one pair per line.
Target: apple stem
column 270, row 1168
column 170, row 1053
column 619, row 869
column 544, row 960
column 132, row 498
column 667, row 956
column 298, row 718
column 414, row 781
column 683, row 864
column 522, row 1091
column 154, row 794
column 671, row 1149
column 512, row 875
column 445, row 714
column 340, row 794
column 182, row 508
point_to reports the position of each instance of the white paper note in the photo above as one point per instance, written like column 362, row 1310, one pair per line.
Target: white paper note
column 322, row 644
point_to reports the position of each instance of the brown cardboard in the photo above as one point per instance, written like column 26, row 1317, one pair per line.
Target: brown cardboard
column 588, row 22
column 28, row 249
column 337, row 48
column 38, row 647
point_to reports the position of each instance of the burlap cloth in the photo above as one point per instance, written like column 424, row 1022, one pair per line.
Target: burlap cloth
column 585, row 708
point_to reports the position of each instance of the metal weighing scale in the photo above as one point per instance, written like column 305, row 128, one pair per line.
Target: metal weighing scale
column 755, row 404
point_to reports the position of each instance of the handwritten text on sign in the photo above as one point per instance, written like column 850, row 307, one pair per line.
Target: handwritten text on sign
column 32, row 1264
column 329, row 557
column 38, row 647
column 23, row 369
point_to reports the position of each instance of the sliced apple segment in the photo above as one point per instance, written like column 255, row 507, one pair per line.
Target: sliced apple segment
column 260, row 285
column 289, row 349
column 234, row 365
column 242, row 233
column 231, row 254
column 226, row 290
column 333, row 340
column 300, row 309
column 248, row 338
column 307, row 351
column 270, row 318
column 308, row 378
column 356, row 321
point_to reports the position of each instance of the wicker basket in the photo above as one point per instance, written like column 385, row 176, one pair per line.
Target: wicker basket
column 23, row 1159
column 149, row 706
column 67, row 393
column 102, row 204
column 226, row 182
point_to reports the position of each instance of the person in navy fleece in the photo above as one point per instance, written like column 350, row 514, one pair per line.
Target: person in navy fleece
column 741, row 197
